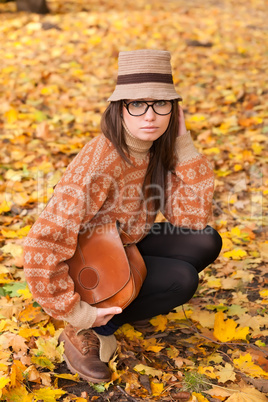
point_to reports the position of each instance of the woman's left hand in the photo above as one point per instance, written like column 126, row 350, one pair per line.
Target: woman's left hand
column 182, row 126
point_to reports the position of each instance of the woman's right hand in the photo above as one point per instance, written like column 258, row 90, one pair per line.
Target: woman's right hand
column 105, row 314
column 182, row 126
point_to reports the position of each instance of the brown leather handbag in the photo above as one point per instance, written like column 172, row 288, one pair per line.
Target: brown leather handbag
column 107, row 267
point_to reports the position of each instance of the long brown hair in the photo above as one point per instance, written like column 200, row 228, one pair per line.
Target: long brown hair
column 162, row 152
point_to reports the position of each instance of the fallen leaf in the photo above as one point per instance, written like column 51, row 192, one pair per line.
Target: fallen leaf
column 141, row 368
column 246, row 365
column 226, row 331
column 247, row 395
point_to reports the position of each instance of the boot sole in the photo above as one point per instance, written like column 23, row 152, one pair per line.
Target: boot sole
column 90, row 379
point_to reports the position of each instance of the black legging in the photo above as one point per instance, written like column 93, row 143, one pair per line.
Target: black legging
column 173, row 256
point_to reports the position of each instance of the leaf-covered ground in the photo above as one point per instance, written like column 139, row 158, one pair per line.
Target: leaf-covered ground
column 56, row 74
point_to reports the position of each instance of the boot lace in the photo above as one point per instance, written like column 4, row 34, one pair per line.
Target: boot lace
column 89, row 340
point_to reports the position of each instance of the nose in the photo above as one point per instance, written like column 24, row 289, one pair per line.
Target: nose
column 150, row 114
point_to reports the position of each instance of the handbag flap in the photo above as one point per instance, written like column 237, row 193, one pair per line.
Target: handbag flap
column 99, row 267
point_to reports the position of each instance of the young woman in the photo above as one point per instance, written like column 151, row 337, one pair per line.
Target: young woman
column 143, row 162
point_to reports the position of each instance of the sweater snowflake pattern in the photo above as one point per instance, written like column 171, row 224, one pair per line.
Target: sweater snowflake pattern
column 100, row 187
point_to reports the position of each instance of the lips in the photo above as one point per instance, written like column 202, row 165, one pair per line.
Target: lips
column 149, row 128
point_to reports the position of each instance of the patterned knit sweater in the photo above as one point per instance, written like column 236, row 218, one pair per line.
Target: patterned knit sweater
column 99, row 187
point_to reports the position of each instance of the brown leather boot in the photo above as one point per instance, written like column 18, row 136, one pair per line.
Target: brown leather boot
column 82, row 354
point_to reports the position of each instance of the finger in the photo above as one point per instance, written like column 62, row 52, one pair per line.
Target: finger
column 114, row 310
column 181, row 113
column 110, row 311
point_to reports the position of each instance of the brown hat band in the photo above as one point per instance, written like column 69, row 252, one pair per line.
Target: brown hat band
column 144, row 77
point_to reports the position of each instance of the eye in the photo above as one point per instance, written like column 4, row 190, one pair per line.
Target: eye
column 161, row 103
column 137, row 104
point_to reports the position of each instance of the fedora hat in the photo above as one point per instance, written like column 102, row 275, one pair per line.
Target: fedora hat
column 145, row 74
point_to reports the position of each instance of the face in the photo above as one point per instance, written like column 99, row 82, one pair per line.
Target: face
column 149, row 126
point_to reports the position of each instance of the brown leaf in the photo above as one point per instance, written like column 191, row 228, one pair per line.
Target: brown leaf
column 182, row 396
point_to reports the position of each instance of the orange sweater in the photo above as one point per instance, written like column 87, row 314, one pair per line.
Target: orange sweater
column 99, row 187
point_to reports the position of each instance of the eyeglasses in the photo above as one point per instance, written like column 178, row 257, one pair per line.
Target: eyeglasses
column 138, row 108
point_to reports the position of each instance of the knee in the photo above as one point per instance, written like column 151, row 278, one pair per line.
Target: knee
column 213, row 242
column 186, row 284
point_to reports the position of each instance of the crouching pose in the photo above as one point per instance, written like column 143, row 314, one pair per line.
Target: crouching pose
column 143, row 162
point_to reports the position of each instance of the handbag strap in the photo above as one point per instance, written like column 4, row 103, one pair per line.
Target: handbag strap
column 126, row 236
column 130, row 241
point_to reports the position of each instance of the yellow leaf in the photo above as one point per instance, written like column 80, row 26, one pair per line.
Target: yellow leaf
column 257, row 148
column 226, row 243
column 9, row 234
column 205, row 318
column 220, row 392
column 141, row 368
column 155, row 348
column 16, row 374
column 160, row 322
column 3, row 368
column 236, row 254
column 225, row 373
column 200, row 397
column 18, row 394
column 49, row 90
column 50, row 328
column 222, row 172
column 172, row 352
column 72, row 377
column 212, row 150
column 245, row 364
column 48, row 394
column 247, row 394
column 237, row 167
column 213, row 282
column 14, row 175
column 29, row 332
column 157, row 388
column 4, row 380
column 230, row 98
column 8, row 325
column 152, row 345
column 30, row 313
column 264, row 293
column 11, row 115
column 260, row 343
column 226, row 331
column 4, row 280
column 14, row 249
column 25, row 293
column 95, row 40
column 129, row 332
column 235, row 231
column 5, row 207
column 43, row 361
column 208, row 371
column 50, row 349
column 197, row 117
column 179, row 315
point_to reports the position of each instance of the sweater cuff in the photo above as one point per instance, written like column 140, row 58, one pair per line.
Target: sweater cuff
column 82, row 316
column 185, row 149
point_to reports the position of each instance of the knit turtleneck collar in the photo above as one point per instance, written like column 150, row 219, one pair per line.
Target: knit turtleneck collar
column 137, row 147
